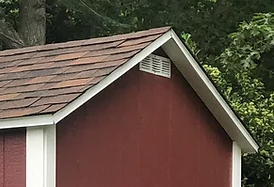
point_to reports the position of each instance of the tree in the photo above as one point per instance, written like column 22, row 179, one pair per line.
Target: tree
column 32, row 21
column 209, row 21
column 239, row 78
column 245, row 70
column 22, row 23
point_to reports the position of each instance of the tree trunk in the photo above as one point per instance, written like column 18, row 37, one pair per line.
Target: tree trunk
column 32, row 21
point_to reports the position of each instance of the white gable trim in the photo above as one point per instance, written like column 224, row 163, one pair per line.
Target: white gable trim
column 199, row 81
column 40, row 156
column 190, row 70
column 236, row 165
column 58, row 116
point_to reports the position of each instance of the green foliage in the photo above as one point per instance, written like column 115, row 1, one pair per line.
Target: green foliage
column 257, row 111
column 10, row 8
column 252, row 49
column 238, row 78
column 191, row 44
column 208, row 21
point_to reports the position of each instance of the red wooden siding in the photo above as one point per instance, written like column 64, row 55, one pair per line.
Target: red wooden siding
column 12, row 158
column 143, row 131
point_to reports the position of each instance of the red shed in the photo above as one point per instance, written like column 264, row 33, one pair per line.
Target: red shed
column 131, row 110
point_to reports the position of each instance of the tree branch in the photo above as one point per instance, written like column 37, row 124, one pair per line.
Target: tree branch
column 83, row 5
column 8, row 35
column 104, row 17
column 220, row 7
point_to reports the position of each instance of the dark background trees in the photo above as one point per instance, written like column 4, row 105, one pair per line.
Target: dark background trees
column 25, row 27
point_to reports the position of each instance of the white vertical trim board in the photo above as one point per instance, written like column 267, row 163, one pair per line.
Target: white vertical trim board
column 50, row 156
column 236, row 165
column 40, row 156
column 34, row 157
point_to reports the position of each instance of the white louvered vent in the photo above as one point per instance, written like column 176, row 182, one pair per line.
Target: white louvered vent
column 156, row 65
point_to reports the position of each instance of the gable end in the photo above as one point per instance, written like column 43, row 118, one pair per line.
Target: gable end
column 187, row 65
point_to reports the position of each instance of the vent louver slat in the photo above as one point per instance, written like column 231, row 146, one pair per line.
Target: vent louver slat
column 156, row 65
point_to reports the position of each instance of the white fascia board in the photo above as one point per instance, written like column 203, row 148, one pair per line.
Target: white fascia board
column 41, row 156
column 58, row 116
column 29, row 121
column 236, row 165
column 199, row 81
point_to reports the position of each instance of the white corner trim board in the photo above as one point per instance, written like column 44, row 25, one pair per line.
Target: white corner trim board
column 40, row 156
column 236, row 165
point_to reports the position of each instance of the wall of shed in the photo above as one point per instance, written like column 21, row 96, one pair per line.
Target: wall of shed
column 143, row 131
column 13, row 158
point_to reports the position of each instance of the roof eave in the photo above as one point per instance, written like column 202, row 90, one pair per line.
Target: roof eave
column 27, row 121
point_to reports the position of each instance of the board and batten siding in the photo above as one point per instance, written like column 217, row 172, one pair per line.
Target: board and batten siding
column 13, row 158
column 143, row 131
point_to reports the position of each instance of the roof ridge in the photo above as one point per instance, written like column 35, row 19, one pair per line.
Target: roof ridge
column 83, row 42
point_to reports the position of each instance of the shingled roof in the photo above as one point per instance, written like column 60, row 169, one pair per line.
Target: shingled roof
column 44, row 79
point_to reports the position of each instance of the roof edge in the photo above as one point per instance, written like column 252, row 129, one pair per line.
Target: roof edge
column 51, row 119
column 27, row 121
column 209, row 94
column 59, row 115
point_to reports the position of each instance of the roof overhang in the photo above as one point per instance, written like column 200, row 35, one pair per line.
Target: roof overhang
column 202, row 85
column 190, row 69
